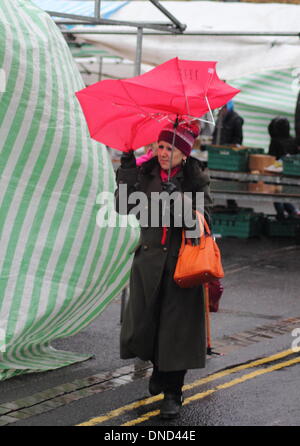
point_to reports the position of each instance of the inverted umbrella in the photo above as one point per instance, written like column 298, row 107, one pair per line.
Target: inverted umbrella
column 127, row 114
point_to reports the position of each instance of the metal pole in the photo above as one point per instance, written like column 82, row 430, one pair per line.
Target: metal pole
column 97, row 9
column 179, row 26
column 166, row 32
column 173, row 145
column 77, row 19
column 172, row 152
column 171, row 161
column 100, row 68
column 123, row 304
column 219, row 128
column 138, row 53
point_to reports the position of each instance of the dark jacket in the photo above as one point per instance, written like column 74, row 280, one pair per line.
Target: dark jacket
column 282, row 143
column 231, row 129
column 163, row 322
column 297, row 120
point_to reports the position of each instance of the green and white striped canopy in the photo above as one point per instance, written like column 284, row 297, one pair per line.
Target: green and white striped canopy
column 264, row 96
column 58, row 268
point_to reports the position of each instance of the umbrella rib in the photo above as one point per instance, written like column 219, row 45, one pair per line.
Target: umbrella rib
column 183, row 88
column 157, row 90
column 131, row 98
column 144, row 112
column 210, row 112
column 148, row 88
column 211, row 71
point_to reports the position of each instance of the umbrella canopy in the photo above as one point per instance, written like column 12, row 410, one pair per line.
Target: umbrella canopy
column 129, row 113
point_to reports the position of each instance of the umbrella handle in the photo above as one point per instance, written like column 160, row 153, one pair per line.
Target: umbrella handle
column 173, row 142
column 207, row 315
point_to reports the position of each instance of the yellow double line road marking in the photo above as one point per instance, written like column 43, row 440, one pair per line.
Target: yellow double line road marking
column 121, row 410
column 232, row 383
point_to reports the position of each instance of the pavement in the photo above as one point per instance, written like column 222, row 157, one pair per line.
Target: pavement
column 258, row 320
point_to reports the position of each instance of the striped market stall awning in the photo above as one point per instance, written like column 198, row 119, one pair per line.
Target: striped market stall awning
column 264, row 96
column 59, row 267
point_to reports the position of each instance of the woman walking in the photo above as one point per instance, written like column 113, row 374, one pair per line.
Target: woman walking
column 164, row 323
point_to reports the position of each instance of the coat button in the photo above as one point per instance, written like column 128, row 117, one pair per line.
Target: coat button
column 145, row 247
column 165, row 249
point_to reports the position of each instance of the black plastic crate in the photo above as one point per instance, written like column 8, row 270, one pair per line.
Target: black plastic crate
column 241, row 224
column 289, row 227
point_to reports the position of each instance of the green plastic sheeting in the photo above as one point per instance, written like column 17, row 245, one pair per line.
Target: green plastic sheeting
column 58, row 267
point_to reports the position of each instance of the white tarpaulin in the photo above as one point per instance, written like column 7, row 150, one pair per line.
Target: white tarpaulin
column 237, row 55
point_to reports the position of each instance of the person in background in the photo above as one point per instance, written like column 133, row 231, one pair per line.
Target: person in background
column 229, row 127
column 151, row 151
column 282, row 144
column 297, row 121
column 229, row 132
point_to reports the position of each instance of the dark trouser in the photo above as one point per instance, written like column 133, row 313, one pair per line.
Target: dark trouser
column 171, row 382
column 281, row 207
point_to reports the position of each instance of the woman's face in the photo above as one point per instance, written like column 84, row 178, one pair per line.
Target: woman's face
column 164, row 151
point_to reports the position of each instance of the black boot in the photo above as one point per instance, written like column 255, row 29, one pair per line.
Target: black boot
column 155, row 386
column 171, row 405
column 155, row 382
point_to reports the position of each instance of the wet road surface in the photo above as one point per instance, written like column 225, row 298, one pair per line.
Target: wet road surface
column 254, row 382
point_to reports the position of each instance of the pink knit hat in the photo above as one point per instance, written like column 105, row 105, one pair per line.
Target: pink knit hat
column 184, row 138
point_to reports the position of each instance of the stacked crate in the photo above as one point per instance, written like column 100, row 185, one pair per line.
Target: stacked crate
column 230, row 158
column 242, row 223
column 291, row 165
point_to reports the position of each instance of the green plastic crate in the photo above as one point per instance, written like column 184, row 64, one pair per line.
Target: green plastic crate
column 243, row 224
column 289, row 227
column 291, row 165
column 226, row 158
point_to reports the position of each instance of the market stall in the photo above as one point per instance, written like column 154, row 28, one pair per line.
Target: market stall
column 234, row 178
column 58, row 266
column 266, row 70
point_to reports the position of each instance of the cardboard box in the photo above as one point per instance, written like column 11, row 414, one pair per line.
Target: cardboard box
column 264, row 188
column 259, row 162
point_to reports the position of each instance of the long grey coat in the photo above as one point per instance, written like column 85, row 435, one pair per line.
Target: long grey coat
column 163, row 322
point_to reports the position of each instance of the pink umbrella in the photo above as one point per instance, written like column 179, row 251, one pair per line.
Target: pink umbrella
column 129, row 113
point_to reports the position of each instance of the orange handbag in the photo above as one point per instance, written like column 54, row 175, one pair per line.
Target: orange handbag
column 199, row 264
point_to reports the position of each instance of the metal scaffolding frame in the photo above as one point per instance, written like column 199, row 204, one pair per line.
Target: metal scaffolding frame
column 198, row 33
column 174, row 26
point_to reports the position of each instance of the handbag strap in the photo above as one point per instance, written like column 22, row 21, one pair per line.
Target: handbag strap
column 202, row 223
column 202, row 220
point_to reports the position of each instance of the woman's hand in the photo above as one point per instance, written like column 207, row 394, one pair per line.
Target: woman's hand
column 193, row 241
column 128, row 160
